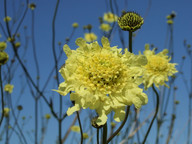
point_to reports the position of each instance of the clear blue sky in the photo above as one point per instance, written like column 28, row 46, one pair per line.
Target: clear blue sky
column 87, row 12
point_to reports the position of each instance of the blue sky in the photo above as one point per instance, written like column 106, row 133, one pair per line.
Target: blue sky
column 87, row 12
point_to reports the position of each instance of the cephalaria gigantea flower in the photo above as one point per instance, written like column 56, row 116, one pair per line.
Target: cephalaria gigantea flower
column 102, row 78
column 158, row 68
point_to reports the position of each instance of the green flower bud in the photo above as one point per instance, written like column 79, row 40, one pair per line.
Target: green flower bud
column 89, row 26
column 177, row 102
column 130, row 21
column 32, row 6
column 19, row 107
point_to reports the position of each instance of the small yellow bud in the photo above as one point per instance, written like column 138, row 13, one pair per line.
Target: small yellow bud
column 75, row 25
column 6, row 111
column 7, row 19
column 105, row 27
column 75, row 128
column 85, row 136
column 170, row 22
column 47, row 116
column 17, row 44
column 90, row 37
column 168, row 17
column 110, row 17
column 3, row 57
column 8, row 88
column 3, row 46
column 10, row 39
column 147, row 46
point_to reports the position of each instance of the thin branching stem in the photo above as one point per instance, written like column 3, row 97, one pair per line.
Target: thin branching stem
column 81, row 129
column 2, row 98
column 105, row 133
column 120, row 127
column 130, row 41
column 16, row 120
column 97, row 135
column 156, row 111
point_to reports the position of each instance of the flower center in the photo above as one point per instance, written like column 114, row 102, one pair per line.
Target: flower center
column 157, row 64
column 103, row 72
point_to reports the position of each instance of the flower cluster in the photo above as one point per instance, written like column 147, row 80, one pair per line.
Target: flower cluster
column 103, row 79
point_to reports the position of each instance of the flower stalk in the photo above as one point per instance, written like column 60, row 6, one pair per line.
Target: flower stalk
column 156, row 111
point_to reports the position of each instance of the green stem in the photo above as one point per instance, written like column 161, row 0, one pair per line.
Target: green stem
column 36, row 121
column 97, row 135
column 158, row 132
column 105, row 133
column 130, row 41
column 2, row 98
column 121, row 126
column 81, row 130
column 156, row 111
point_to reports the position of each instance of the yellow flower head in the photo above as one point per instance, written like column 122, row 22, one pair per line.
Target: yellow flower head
column 6, row 111
column 75, row 25
column 75, row 128
column 102, row 78
column 110, row 17
column 8, row 88
column 7, row 19
column 105, row 27
column 158, row 68
column 3, row 46
column 85, row 136
column 47, row 116
column 90, row 37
